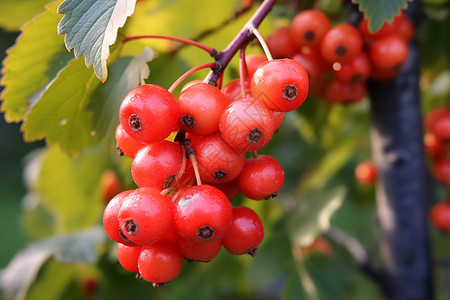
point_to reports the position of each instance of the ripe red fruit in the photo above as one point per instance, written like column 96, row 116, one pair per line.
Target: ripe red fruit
column 128, row 257
column 433, row 146
column 126, row 144
column 440, row 216
column 404, row 27
column 110, row 185
column 441, row 170
column 149, row 113
column 202, row 214
column 388, row 53
column 111, row 218
column 253, row 62
column 344, row 92
column 366, row 173
column 281, row 44
column 145, row 216
column 278, row 118
column 217, row 161
column 233, row 89
column 355, row 71
column 309, row 27
column 196, row 252
column 261, row 178
column 156, row 165
column 245, row 233
column 200, row 107
column 282, row 84
column 341, row 44
column 441, row 126
column 160, row 262
column 385, row 30
column 433, row 115
column 319, row 245
column 229, row 188
column 246, row 124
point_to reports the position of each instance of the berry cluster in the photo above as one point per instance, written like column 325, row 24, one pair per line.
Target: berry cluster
column 437, row 142
column 168, row 218
column 340, row 59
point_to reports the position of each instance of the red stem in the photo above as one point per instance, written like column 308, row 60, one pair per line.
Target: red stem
column 213, row 52
column 188, row 73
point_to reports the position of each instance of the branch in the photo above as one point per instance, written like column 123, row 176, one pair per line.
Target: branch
column 359, row 253
column 239, row 41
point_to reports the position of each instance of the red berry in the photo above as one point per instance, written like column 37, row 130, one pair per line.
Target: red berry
column 202, row 214
column 366, row 173
column 440, row 216
column 344, row 92
column 385, row 30
column 110, row 185
column 200, row 107
column 441, row 170
column 111, row 218
column 217, row 161
column 278, row 118
column 355, row 71
column 229, row 188
column 156, row 165
column 126, row 144
column 149, row 113
column 341, row 44
column 282, row 84
column 433, row 115
column 128, row 257
column 388, row 53
column 404, row 27
column 196, row 252
column 145, row 216
column 319, row 245
column 233, row 89
column 261, row 178
column 441, row 127
column 281, row 44
column 253, row 62
column 160, row 262
column 245, row 233
column 309, row 27
column 433, row 146
column 191, row 83
column 246, row 124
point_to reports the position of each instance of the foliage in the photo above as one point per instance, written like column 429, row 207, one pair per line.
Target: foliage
column 59, row 99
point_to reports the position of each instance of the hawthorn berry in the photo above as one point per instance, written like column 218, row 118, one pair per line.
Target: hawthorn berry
column 245, row 233
column 128, row 257
column 366, row 173
column 110, row 185
column 388, row 53
column 202, row 214
column 111, row 218
column 309, row 27
column 441, row 127
column 282, row 84
column 199, row 252
column 440, row 216
column 261, row 178
column 149, row 113
column 126, row 144
column 246, row 124
column 341, row 44
column 160, row 262
column 217, row 161
column 441, row 170
column 433, row 145
column 281, row 44
column 344, row 92
column 145, row 216
column 233, row 89
column 156, row 165
column 355, row 71
column 253, row 61
column 200, row 107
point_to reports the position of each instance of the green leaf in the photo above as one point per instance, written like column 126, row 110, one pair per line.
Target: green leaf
column 91, row 27
column 17, row 277
column 69, row 187
column 32, row 63
column 60, row 116
column 379, row 11
column 312, row 217
column 126, row 74
column 14, row 13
